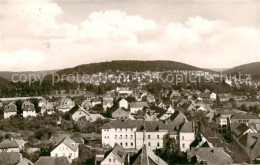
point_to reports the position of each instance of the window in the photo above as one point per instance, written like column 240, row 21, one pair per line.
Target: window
column 131, row 136
column 183, row 145
column 158, row 136
column 149, row 144
column 120, row 136
column 149, row 136
column 114, row 160
column 126, row 136
column 121, row 144
column 182, row 137
column 132, row 144
column 158, row 144
column 115, row 136
column 109, row 160
column 56, row 155
column 126, row 144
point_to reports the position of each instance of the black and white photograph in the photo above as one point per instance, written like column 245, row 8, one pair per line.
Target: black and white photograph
column 129, row 82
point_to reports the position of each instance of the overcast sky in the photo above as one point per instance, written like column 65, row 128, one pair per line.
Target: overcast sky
column 45, row 35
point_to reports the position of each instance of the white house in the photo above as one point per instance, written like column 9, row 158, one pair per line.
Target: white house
column 123, row 104
column 10, row 110
column 186, row 136
column 107, row 104
column 117, row 156
column 29, row 110
column 213, row 96
column 80, row 112
column 131, row 134
column 136, row 106
column 67, row 148
column 65, row 105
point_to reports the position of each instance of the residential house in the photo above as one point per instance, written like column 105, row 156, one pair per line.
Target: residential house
column 65, row 105
column 107, row 104
column 224, row 97
column 203, row 96
column 124, row 92
column 13, row 145
column 48, row 160
column 222, row 122
column 28, row 110
column 175, row 93
column 10, row 110
column 120, row 114
column 79, row 113
column 146, row 156
column 245, row 118
column 95, row 101
column 209, row 156
column 108, row 98
column 167, row 114
column 199, row 106
column 116, row 156
column 89, row 97
column 86, row 104
column 66, row 148
column 48, row 108
column 123, row 104
column 42, row 102
column 186, row 136
column 136, row 106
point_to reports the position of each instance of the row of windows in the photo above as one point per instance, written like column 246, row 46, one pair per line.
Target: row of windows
column 120, row 129
column 126, row 144
column 149, row 136
column 149, row 144
column 121, row 137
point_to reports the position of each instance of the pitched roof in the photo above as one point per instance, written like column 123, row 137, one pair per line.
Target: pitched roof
column 150, row 126
column 210, row 155
column 105, row 102
column 29, row 107
column 119, row 153
column 245, row 116
column 96, row 100
column 11, row 107
column 138, row 105
column 204, row 95
column 120, row 113
column 146, row 156
column 187, row 127
column 240, row 129
column 70, row 143
column 9, row 158
column 8, row 144
column 47, row 160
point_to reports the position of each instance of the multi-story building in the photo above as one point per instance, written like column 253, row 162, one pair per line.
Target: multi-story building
column 133, row 134
column 186, row 136
column 67, row 148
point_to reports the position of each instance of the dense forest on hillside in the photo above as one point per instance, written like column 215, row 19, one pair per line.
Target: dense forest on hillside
column 139, row 66
column 252, row 68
